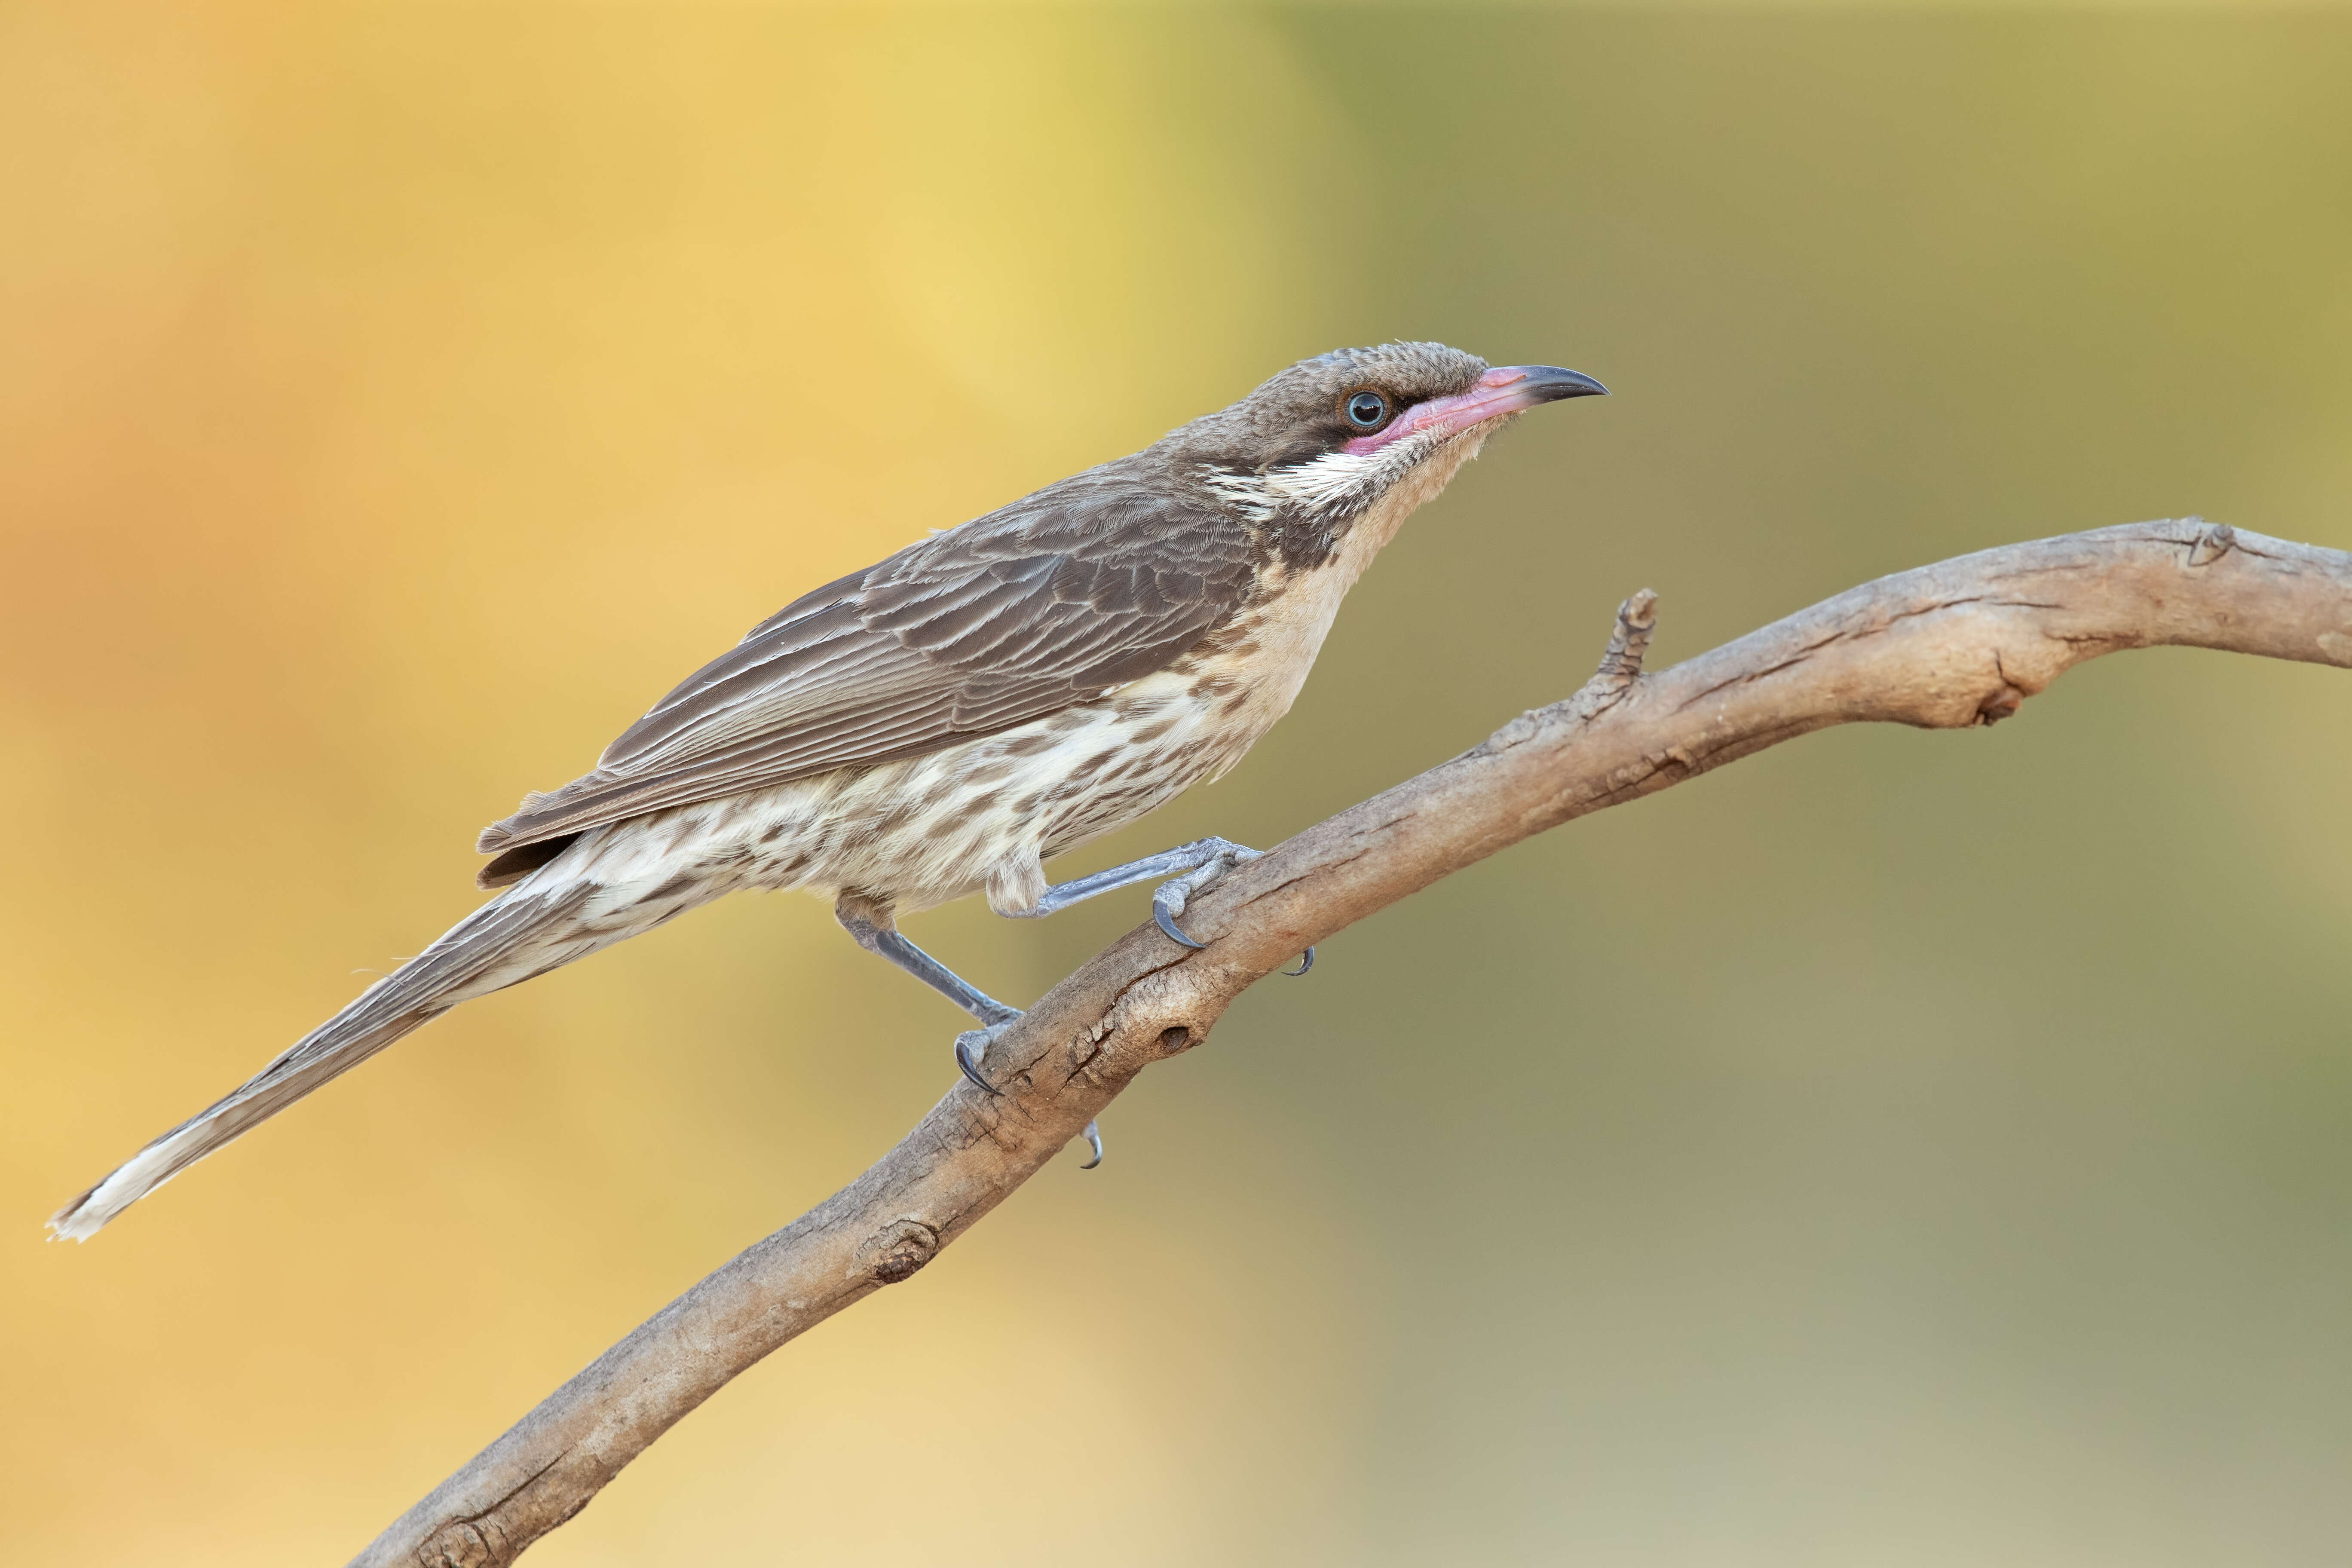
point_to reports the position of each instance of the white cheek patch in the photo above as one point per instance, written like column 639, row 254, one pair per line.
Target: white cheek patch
column 1327, row 489
column 1248, row 493
column 1339, row 483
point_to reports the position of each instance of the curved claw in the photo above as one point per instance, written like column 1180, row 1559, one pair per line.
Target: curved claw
column 1167, row 923
column 1094, row 1140
column 968, row 1060
column 1306, row 962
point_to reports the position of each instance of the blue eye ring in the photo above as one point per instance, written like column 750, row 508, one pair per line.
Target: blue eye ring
column 1366, row 410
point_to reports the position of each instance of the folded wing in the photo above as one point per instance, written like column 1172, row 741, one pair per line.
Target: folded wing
column 1085, row 586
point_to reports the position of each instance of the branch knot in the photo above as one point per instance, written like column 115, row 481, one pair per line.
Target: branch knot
column 1629, row 643
column 901, row 1248
column 2212, row 544
column 1621, row 668
column 1620, row 661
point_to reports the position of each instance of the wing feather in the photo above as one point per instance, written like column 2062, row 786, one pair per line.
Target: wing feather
column 1090, row 584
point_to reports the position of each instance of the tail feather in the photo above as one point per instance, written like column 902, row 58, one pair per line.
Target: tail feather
column 413, row 994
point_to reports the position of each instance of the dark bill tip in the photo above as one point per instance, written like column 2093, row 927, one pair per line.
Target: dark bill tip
column 1545, row 383
column 1504, row 390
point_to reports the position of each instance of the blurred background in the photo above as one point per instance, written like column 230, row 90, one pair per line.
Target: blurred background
column 1898, row 1148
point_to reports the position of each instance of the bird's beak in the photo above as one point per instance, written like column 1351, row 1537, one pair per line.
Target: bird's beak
column 1525, row 385
column 1505, row 389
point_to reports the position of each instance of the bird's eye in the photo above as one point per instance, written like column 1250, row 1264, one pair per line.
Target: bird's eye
column 1368, row 410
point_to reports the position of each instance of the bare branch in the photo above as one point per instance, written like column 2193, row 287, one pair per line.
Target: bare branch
column 1950, row 646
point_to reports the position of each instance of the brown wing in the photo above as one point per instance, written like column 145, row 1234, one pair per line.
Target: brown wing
column 1089, row 585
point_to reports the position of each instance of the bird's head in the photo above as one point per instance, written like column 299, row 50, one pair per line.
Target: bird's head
column 1327, row 440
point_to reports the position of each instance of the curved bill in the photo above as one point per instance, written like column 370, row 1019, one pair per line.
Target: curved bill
column 1505, row 389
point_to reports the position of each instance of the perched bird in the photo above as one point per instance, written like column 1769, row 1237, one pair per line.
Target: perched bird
column 944, row 723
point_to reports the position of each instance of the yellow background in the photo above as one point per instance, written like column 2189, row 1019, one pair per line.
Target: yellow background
column 1900, row 1148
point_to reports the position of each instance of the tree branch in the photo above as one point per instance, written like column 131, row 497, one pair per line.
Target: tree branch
column 1946, row 646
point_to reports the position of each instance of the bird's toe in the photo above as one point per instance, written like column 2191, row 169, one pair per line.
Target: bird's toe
column 971, row 1046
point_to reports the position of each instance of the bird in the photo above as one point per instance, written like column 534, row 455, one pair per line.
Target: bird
column 945, row 721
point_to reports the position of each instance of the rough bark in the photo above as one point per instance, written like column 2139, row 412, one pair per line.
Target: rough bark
column 1958, row 643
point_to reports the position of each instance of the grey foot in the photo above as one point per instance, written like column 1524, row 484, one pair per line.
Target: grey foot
column 972, row 1045
column 1209, row 858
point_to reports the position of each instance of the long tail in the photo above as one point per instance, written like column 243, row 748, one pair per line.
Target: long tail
column 474, row 957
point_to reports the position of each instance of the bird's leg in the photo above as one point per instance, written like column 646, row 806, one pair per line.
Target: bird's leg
column 1167, row 863
column 868, row 920
column 1193, row 867
column 893, row 945
column 870, row 923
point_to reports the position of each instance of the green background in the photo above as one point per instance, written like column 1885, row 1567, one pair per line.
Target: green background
column 1900, row 1148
